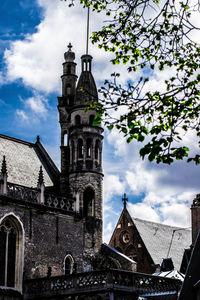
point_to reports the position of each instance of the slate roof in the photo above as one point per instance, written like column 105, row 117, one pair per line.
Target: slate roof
column 171, row 274
column 159, row 238
column 23, row 161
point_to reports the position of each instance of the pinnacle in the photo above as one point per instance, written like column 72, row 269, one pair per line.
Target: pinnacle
column 3, row 166
column 40, row 177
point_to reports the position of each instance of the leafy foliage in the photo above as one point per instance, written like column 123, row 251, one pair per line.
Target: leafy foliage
column 152, row 36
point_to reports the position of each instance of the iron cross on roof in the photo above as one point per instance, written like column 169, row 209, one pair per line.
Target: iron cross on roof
column 125, row 199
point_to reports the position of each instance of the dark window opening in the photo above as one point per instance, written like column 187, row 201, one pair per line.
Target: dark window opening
column 69, row 69
column 91, row 119
column 68, row 265
column 77, row 120
column 88, row 202
column 73, row 151
column 97, row 149
column 68, row 89
column 80, row 148
column 89, row 148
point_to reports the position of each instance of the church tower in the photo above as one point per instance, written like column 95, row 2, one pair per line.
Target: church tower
column 81, row 147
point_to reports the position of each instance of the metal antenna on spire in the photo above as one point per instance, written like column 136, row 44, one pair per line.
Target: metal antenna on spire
column 88, row 19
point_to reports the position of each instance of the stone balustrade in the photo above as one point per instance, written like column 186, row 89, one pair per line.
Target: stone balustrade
column 36, row 196
column 128, row 283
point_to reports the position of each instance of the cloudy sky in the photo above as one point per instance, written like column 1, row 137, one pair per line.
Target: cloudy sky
column 33, row 37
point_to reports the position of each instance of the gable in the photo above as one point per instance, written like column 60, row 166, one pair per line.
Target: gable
column 23, row 161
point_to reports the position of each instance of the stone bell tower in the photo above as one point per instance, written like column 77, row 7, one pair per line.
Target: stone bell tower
column 81, row 147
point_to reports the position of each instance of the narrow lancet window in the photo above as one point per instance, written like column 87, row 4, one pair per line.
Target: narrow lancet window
column 80, row 148
column 88, row 202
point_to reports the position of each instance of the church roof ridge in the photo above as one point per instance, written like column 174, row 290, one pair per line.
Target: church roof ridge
column 162, row 224
column 16, row 140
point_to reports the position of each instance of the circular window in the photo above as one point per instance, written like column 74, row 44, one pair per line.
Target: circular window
column 126, row 238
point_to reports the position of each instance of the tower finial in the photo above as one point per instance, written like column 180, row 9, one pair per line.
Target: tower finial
column 125, row 199
column 70, row 47
column 88, row 19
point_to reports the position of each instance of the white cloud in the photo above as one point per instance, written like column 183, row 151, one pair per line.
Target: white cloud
column 176, row 214
column 38, row 59
column 113, row 185
column 143, row 211
column 37, row 104
column 22, row 115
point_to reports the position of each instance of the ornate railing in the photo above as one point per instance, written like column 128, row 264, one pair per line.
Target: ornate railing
column 32, row 195
column 100, row 281
column 58, row 202
column 20, row 192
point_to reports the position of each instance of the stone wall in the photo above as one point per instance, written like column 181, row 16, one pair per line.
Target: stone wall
column 48, row 238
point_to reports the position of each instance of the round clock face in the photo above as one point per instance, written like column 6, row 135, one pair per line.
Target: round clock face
column 126, row 238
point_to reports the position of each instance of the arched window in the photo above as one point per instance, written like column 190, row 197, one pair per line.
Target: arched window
column 68, row 89
column 73, row 151
column 11, row 247
column 88, row 147
column 91, row 119
column 77, row 120
column 65, row 139
column 68, row 265
column 80, row 148
column 88, row 202
column 97, row 149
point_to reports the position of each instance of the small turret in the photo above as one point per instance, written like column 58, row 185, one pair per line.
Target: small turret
column 69, row 76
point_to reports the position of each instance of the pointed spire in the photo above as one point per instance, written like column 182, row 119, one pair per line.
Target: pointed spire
column 125, row 199
column 4, row 166
column 40, row 177
column 38, row 139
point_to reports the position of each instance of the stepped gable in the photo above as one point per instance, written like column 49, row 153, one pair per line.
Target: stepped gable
column 24, row 160
column 157, row 238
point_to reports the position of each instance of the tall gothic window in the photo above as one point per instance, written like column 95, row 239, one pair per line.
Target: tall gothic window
column 11, row 245
column 88, row 202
